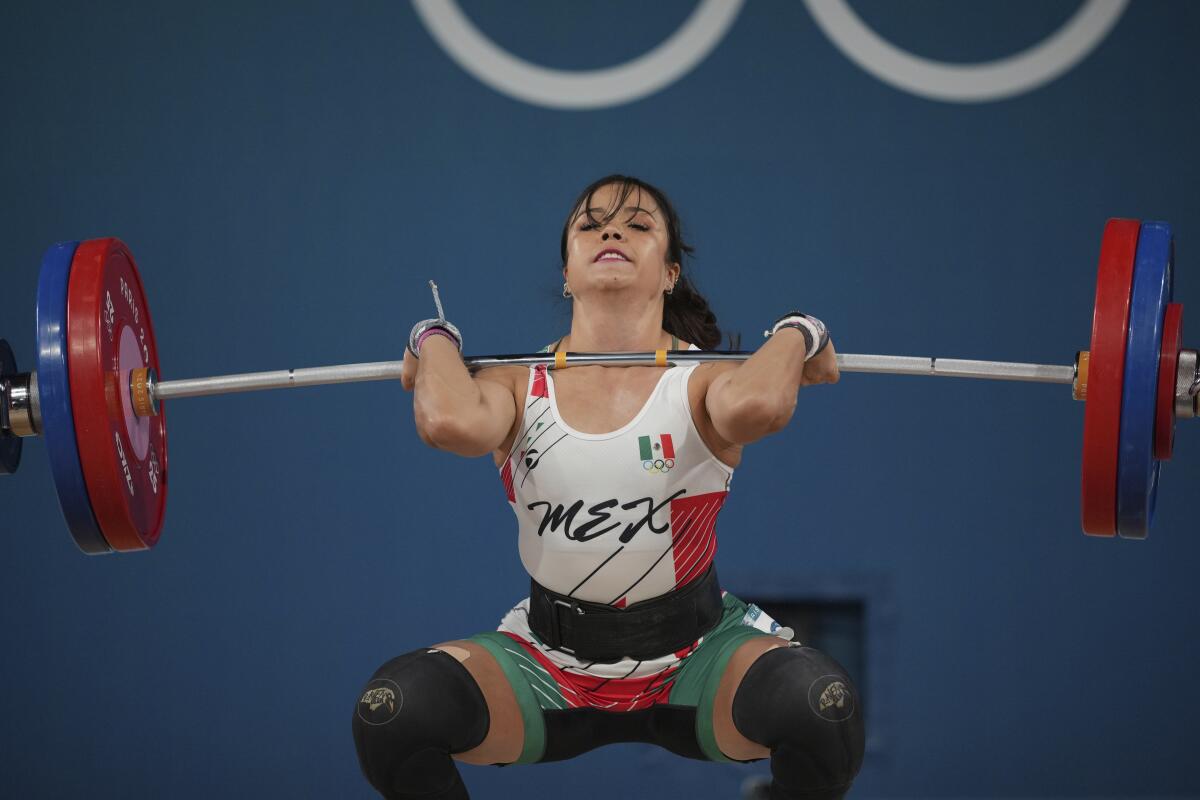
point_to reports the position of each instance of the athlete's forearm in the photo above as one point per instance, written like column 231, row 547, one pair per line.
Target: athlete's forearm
column 445, row 396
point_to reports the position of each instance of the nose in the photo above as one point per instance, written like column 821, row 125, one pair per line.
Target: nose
column 615, row 234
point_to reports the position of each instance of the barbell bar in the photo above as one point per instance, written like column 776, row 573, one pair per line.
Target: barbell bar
column 153, row 391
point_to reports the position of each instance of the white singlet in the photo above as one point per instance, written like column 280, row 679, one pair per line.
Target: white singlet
column 615, row 517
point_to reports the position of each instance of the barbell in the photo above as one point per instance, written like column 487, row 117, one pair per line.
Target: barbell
column 96, row 397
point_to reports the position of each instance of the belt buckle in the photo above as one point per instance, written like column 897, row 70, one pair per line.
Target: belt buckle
column 556, row 628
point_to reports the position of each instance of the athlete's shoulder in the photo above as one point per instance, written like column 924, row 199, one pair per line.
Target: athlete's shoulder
column 707, row 371
column 508, row 376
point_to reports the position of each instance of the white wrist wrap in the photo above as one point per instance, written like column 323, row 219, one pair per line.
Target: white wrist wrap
column 816, row 336
column 414, row 336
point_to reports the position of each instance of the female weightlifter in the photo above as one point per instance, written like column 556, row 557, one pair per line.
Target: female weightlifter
column 616, row 475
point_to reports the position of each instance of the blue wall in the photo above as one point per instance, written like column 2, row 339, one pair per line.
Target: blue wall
column 289, row 176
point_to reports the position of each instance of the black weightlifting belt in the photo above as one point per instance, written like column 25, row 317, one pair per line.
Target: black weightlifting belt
column 645, row 630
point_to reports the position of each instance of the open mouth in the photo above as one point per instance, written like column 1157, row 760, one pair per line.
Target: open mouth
column 611, row 254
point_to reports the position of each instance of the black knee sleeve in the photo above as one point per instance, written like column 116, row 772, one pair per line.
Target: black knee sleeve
column 417, row 710
column 800, row 703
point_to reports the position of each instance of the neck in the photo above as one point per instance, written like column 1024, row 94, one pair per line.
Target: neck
column 615, row 325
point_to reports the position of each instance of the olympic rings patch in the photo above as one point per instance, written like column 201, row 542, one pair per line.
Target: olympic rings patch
column 656, row 465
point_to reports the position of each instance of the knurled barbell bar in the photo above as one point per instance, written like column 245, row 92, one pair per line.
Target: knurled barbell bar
column 96, row 399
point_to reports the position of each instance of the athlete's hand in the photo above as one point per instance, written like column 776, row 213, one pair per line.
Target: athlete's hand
column 423, row 330
column 408, row 373
column 821, row 368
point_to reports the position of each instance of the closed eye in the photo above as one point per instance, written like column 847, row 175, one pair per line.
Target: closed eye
column 591, row 226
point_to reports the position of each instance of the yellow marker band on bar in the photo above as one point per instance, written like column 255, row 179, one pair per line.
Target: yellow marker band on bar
column 660, row 358
column 560, row 359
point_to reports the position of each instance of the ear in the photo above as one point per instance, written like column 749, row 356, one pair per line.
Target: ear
column 673, row 272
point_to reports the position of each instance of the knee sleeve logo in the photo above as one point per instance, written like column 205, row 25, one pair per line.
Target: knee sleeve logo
column 380, row 703
column 830, row 698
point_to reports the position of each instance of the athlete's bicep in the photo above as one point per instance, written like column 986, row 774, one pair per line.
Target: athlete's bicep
column 699, row 385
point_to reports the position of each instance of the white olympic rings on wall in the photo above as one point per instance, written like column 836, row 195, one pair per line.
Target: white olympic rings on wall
column 967, row 83
column 578, row 89
column 983, row 82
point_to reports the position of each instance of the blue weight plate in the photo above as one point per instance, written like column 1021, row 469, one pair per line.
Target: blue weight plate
column 1137, row 469
column 54, row 396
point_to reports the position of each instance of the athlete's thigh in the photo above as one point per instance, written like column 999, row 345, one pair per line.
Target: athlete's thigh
column 729, row 740
column 506, row 731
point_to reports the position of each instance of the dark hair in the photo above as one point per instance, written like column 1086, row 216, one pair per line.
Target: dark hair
column 685, row 311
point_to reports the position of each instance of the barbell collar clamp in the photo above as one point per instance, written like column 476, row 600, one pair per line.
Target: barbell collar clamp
column 1187, row 402
column 5, row 427
column 141, row 391
column 22, row 415
column 1079, row 383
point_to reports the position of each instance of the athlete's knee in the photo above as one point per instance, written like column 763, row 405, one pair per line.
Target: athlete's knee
column 800, row 703
column 416, row 710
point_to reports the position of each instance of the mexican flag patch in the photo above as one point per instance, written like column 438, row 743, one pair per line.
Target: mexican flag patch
column 656, row 447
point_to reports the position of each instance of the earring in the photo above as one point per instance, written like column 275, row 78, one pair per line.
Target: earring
column 671, row 290
column 566, row 290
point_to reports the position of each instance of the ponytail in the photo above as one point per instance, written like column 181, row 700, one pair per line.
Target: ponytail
column 686, row 314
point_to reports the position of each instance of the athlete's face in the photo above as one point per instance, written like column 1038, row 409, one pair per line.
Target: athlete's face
column 619, row 246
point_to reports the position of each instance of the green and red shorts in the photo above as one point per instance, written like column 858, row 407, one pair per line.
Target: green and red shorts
column 547, row 681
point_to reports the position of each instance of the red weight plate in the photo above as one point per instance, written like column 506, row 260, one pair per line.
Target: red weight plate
column 1106, row 371
column 124, row 457
column 1168, row 362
